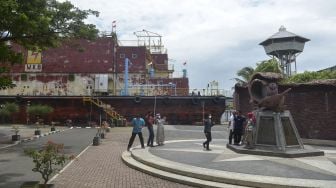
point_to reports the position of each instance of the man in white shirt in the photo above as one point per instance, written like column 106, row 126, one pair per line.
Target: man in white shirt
column 231, row 126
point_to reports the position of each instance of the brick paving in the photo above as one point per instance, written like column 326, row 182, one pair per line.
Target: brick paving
column 102, row 167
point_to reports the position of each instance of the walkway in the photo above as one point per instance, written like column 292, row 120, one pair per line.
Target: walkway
column 102, row 166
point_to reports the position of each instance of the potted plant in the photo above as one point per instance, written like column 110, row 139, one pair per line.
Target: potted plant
column 102, row 132
column 104, row 128
column 47, row 161
column 53, row 126
column 96, row 139
column 37, row 129
column 16, row 130
column 107, row 129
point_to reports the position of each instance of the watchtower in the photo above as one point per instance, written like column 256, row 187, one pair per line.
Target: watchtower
column 285, row 46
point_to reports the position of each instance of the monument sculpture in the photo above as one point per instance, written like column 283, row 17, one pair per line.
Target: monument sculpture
column 275, row 133
column 263, row 90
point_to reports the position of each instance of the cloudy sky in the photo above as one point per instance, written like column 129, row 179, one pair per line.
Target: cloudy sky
column 219, row 37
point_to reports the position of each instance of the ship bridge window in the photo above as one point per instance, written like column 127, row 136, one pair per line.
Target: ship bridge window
column 122, row 56
column 134, row 56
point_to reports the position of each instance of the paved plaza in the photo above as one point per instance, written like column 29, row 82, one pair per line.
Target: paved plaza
column 189, row 159
column 102, row 167
column 182, row 162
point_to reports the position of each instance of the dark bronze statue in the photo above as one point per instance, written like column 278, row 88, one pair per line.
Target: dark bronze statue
column 263, row 90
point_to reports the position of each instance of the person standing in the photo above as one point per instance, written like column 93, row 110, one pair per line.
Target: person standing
column 138, row 123
column 160, row 137
column 239, row 121
column 149, row 124
column 249, row 131
column 231, row 126
column 208, row 123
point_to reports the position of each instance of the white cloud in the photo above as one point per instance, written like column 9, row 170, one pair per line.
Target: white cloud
column 218, row 37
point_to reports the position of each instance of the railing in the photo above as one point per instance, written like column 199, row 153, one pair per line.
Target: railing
column 106, row 107
column 172, row 91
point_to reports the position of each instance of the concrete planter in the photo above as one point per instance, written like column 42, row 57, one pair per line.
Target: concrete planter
column 96, row 141
column 48, row 186
column 37, row 132
column 52, row 129
column 16, row 137
column 35, row 184
column 30, row 184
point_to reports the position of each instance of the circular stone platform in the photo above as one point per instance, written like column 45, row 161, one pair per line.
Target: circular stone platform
column 188, row 158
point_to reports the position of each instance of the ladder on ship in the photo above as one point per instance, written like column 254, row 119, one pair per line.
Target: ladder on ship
column 108, row 109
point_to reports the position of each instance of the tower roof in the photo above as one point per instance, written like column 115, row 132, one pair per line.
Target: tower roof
column 284, row 34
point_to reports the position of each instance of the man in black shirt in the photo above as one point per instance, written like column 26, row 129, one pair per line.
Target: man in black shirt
column 208, row 123
column 239, row 122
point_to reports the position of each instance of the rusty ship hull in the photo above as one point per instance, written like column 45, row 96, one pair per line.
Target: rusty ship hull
column 183, row 110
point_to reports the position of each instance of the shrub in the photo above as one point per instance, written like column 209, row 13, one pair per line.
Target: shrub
column 48, row 160
column 39, row 110
column 71, row 77
column 310, row 76
column 16, row 129
column 24, row 77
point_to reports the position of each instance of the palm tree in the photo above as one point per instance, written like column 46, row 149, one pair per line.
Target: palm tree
column 245, row 74
column 270, row 65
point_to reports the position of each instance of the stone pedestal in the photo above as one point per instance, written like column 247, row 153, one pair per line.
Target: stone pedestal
column 276, row 131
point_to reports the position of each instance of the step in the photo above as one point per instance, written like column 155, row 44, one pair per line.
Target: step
column 131, row 162
column 146, row 158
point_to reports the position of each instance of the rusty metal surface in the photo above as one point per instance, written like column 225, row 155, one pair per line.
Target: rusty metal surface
column 178, row 110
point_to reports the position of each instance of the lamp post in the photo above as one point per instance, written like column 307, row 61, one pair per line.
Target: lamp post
column 126, row 77
column 202, row 103
column 2, row 116
column 27, row 113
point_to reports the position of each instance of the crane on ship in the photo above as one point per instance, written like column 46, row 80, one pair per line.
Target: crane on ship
column 152, row 41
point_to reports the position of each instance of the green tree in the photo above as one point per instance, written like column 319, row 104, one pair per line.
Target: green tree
column 48, row 160
column 246, row 73
column 7, row 109
column 3, row 111
column 308, row 76
column 39, row 110
column 37, row 25
column 270, row 65
column 12, row 107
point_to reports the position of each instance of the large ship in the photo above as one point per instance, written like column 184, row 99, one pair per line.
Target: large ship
column 86, row 81
column 103, row 67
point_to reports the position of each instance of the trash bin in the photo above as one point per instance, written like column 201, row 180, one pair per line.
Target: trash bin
column 96, row 140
